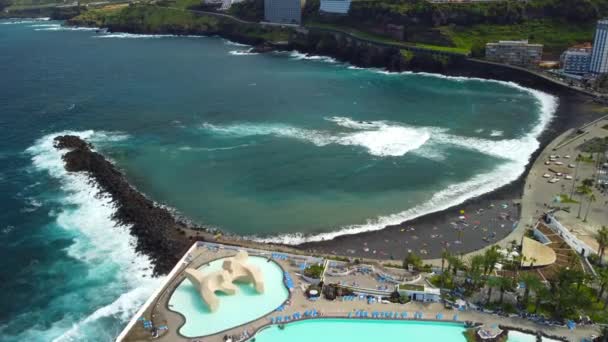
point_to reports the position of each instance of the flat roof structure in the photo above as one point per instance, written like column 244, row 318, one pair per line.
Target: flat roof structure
column 536, row 254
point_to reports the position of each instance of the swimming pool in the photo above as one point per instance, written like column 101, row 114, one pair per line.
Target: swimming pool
column 245, row 306
column 356, row 330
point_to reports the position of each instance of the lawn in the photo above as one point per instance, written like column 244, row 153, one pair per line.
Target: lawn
column 386, row 40
column 555, row 36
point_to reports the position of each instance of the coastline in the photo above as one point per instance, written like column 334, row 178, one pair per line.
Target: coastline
column 390, row 241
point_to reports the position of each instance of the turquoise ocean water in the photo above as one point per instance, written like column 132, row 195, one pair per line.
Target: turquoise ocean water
column 280, row 147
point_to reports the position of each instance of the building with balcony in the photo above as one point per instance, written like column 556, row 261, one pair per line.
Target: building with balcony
column 516, row 52
column 283, row 11
column 335, row 6
column 576, row 60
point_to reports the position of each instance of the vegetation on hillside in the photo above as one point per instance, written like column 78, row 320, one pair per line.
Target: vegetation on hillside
column 156, row 19
column 252, row 10
column 556, row 24
column 4, row 4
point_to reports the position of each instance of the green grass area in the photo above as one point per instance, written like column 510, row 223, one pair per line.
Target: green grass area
column 185, row 4
column 31, row 4
column 564, row 198
column 411, row 287
column 555, row 36
column 156, row 19
column 386, row 40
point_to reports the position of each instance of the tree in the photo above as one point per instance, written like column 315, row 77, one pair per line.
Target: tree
column 412, row 259
column 455, row 264
column 491, row 257
column 444, row 255
column 601, row 236
column 578, row 160
column 602, row 279
column 590, row 199
column 504, row 284
column 541, row 294
column 475, row 270
column 583, row 190
column 531, row 283
column 491, row 283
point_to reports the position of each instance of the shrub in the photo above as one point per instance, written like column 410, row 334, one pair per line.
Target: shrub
column 314, row 271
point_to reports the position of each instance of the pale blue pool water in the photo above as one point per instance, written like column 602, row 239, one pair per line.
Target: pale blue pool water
column 245, row 306
column 351, row 330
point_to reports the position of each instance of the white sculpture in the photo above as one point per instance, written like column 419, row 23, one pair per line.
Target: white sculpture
column 233, row 269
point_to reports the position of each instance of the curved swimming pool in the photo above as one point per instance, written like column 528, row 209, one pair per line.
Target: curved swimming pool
column 245, row 306
column 356, row 330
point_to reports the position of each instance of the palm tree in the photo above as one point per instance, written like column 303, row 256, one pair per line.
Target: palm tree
column 491, row 283
column 601, row 236
column 590, row 199
column 504, row 284
column 457, row 264
column 444, row 255
column 578, row 159
column 541, row 293
column 491, row 257
column 583, row 190
column 531, row 282
column 603, row 282
column 475, row 269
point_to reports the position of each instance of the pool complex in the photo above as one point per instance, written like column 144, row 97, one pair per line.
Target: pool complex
column 245, row 306
column 357, row 330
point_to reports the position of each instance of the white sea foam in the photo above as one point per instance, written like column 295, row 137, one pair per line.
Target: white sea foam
column 382, row 140
column 45, row 25
column 57, row 27
column 120, row 35
column 515, row 152
column 302, row 56
column 87, row 213
column 231, row 43
column 16, row 21
column 242, row 52
column 211, row 149
column 496, row 133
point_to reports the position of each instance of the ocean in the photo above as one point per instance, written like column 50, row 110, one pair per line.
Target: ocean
column 277, row 147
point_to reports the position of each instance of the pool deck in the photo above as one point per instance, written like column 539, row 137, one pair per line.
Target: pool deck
column 158, row 311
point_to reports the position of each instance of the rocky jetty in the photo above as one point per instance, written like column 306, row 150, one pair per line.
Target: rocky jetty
column 159, row 235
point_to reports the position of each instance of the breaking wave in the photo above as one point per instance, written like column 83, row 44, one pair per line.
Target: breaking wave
column 143, row 36
column 87, row 213
column 383, row 140
column 242, row 52
column 302, row 56
column 59, row 27
column 515, row 153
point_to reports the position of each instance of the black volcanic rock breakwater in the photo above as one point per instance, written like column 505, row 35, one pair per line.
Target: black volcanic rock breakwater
column 159, row 235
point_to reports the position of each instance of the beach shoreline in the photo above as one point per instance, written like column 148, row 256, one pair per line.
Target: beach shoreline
column 435, row 231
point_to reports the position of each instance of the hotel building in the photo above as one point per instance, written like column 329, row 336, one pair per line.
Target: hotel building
column 283, row 11
column 599, row 54
column 517, row 52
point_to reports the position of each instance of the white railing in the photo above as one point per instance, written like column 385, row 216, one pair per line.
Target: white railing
column 571, row 239
column 155, row 295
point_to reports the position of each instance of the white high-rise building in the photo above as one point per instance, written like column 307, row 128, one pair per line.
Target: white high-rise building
column 599, row 54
